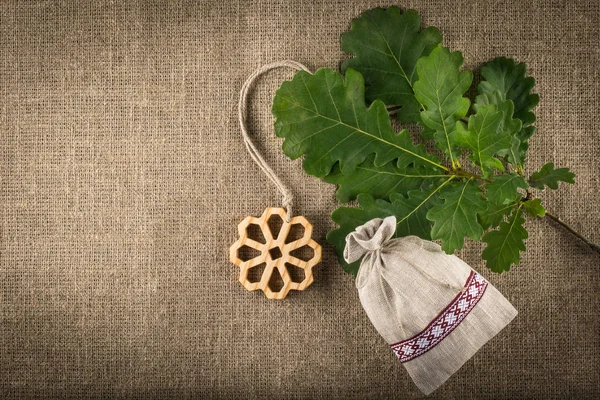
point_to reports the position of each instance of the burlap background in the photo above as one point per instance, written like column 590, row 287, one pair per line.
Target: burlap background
column 123, row 177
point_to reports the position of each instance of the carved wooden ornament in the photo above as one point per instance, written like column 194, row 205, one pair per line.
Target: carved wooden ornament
column 275, row 253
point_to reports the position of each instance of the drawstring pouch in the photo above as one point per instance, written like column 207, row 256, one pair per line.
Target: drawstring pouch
column 432, row 308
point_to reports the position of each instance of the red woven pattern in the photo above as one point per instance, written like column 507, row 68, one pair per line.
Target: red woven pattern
column 445, row 322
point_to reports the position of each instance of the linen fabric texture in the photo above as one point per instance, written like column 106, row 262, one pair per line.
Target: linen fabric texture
column 123, row 177
column 411, row 289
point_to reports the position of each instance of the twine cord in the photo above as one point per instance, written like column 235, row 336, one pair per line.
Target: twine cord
column 288, row 198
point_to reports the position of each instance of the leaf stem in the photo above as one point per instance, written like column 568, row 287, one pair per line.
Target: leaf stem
column 590, row 244
column 467, row 174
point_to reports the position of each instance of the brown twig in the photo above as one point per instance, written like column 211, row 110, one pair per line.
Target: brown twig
column 591, row 245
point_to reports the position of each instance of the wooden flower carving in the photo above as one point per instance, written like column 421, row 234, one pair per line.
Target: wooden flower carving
column 276, row 252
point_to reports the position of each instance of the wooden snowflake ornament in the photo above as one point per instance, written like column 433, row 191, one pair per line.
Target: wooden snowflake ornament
column 276, row 253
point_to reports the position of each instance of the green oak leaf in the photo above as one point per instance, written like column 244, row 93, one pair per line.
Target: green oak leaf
column 456, row 217
column 548, row 176
column 504, row 76
column 439, row 89
column 534, row 207
column 380, row 181
column 516, row 153
column 509, row 123
column 386, row 45
column 409, row 210
column 494, row 214
column 505, row 244
column 511, row 126
column 504, row 189
column 427, row 133
column 328, row 121
column 483, row 137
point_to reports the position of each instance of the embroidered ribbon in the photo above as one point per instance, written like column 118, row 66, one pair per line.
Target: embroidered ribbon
column 445, row 322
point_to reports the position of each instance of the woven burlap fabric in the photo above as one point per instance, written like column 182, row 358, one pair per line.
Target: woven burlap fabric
column 123, row 177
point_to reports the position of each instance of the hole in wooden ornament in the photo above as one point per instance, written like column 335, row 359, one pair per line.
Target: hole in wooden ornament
column 276, row 281
column 275, row 253
column 296, row 232
column 304, row 253
column 296, row 273
column 255, row 233
column 275, row 223
column 255, row 273
column 246, row 253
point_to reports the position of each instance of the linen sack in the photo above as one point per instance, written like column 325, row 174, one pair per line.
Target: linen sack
column 432, row 308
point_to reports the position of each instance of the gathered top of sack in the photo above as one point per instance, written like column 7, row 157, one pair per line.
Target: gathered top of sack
column 371, row 236
column 376, row 238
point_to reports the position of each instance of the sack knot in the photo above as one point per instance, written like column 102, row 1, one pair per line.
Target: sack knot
column 370, row 237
